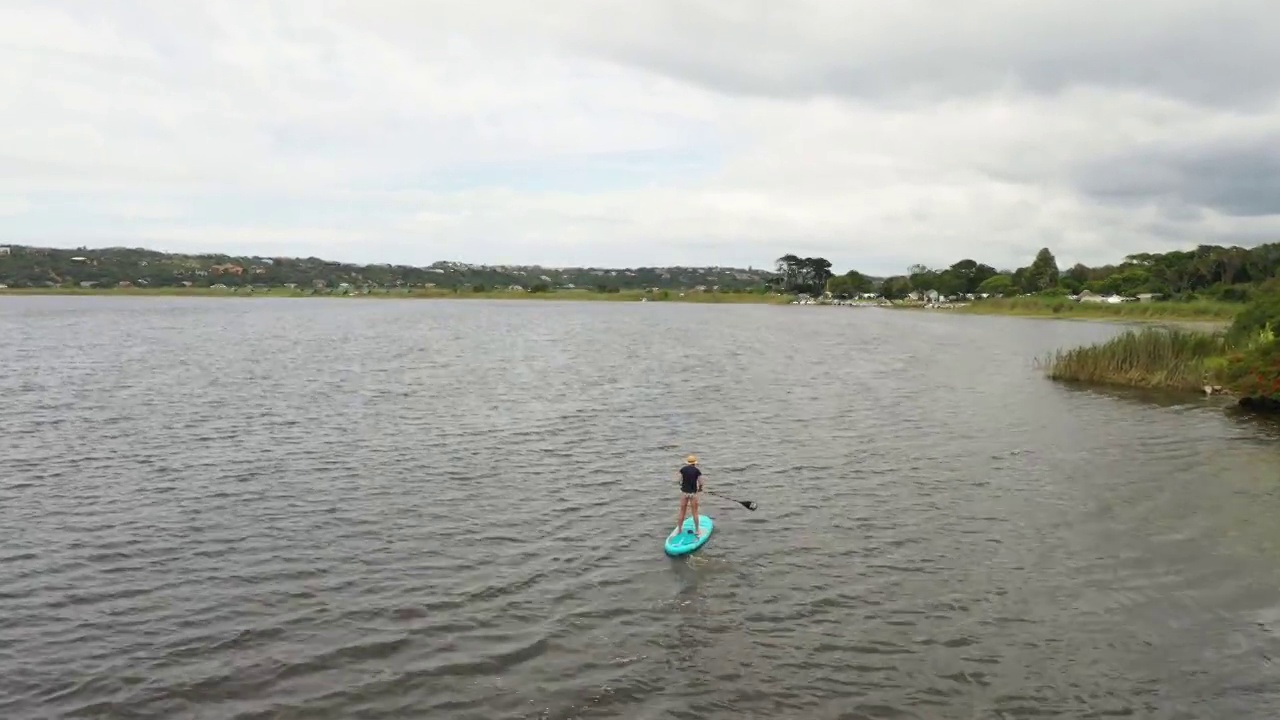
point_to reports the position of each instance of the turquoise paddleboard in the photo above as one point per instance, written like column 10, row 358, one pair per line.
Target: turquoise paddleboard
column 685, row 541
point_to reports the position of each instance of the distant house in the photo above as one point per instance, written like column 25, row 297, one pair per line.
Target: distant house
column 5, row 250
column 1087, row 296
column 1149, row 297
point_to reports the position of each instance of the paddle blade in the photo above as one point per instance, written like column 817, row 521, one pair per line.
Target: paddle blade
column 747, row 504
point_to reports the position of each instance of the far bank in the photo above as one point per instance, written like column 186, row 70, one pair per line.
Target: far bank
column 1210, row 312
column 690, row 296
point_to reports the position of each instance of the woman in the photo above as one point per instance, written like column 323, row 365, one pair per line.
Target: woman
column 690, row 486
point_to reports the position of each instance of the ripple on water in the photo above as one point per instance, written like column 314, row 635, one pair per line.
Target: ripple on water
column 319, row 509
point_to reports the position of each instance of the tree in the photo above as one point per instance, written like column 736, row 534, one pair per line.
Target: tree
column 1043, row 273
column 922, row 278
column 1001, row 285
column 849, row 284
column 895, row 288
column 804, row 275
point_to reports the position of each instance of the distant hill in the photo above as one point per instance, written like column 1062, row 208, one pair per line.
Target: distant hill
column 23, row 266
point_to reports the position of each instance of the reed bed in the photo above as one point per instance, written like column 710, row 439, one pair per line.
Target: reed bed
column 1168, row 358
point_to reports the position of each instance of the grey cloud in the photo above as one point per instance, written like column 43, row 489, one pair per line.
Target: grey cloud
column 1197, row 50
column 1240, row 177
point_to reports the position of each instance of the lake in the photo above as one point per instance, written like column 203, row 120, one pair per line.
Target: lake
column 338, row 508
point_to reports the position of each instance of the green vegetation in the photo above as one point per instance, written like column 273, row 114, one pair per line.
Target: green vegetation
column 1243, row 359
column 1150, row 358
column 53, row 268
column 1061, row 306
column 808, row 276
column 1251, row 368
column 1229, row 274
column 1201, row 283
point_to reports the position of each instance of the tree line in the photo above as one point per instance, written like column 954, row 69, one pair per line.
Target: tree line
column 108, row 267
column 1213, row 271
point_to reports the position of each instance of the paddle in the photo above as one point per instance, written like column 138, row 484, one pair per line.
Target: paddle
column 748, row 504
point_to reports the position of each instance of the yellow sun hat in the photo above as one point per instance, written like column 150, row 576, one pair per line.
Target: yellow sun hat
column 692, row 459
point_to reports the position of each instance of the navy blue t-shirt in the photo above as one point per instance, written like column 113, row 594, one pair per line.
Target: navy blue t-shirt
column 689, row 475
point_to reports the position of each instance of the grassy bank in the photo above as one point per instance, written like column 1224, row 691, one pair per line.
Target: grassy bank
column 1035, row 306
column 1242, row 360
column 1173, row 359
column 418, row 293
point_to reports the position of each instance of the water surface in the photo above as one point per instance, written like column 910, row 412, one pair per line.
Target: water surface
column 328, row 508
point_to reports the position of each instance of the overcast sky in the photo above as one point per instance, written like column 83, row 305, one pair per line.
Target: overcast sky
column 604, row 132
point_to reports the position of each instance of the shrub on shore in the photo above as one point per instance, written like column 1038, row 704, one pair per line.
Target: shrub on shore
column 1252, row 368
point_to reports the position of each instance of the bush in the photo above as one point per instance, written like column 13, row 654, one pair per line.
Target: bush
column 1253, row 369
column 1240, row 293
column 1263, row 311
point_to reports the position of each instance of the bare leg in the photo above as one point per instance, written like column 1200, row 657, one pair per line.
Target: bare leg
column 697, row 529
column 684, row 502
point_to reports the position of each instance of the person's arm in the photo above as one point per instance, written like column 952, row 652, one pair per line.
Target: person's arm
column 700, row 476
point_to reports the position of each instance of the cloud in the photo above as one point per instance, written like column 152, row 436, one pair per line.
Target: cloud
column 1238, row 174
column 13, row 205
column 603, row 132
column 933, row 49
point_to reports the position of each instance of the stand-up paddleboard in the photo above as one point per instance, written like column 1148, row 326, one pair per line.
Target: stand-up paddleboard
column 685, row 542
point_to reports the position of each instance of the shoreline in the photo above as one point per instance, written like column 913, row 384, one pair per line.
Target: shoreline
column 1196, row 319
column 669, row 296
column 1205, row 316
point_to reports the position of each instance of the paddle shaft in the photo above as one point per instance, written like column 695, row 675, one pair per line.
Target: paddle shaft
column 744, row 503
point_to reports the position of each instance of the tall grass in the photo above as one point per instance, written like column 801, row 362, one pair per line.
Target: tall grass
column 1061, row 306
column 1151, row 358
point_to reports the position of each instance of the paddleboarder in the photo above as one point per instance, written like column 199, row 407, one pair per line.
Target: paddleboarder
column 690, row 486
